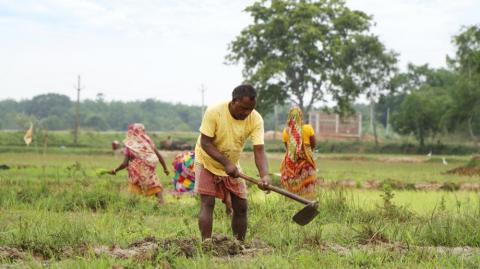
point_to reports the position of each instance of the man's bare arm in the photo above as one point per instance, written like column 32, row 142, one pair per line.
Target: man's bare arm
column 260, row 160
column 207, row 145
column 262, row 165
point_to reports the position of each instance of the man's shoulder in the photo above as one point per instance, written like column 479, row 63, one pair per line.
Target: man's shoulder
column 255, row 116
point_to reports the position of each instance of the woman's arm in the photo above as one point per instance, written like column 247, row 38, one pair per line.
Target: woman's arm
column 122, row 166
column 313, row 142
column 162, row 162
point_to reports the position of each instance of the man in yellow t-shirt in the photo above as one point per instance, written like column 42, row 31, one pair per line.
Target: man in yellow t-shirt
column 224, row 130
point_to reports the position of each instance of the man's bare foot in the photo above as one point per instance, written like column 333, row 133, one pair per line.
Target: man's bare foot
column 161, row 201
column 228, row 211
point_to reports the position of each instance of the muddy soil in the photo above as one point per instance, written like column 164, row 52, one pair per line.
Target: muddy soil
column 11, row 254
column 464, row 171
column 219, row 245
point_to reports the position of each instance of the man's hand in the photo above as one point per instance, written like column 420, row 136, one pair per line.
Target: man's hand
column 264, row 183
column 112, row 172
column 166, row 172
column 232, row 170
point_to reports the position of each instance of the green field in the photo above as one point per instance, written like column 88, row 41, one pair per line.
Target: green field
column 57, row 212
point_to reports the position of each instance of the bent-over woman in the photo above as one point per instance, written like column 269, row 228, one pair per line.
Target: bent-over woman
column 141, row 158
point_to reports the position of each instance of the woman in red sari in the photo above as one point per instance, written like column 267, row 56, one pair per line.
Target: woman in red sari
column 141, row 157
column 298, row 169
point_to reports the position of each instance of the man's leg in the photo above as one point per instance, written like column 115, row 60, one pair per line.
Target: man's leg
column 239, row 219
column 205, row 218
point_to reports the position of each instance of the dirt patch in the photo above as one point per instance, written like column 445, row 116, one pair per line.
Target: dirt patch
column 402, row 159
column 464, row 171
column 470, row 186
column 402, row 249
column 453, row 250
column 345, row 158
column 11, row 254
column 219, row 245
column 428, row 186
column 472, row 168
column 372, row 184
column 181, row 246
column 142, row 250
column 344, row 184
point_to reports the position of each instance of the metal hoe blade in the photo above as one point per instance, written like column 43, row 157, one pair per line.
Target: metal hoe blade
column 307, row 214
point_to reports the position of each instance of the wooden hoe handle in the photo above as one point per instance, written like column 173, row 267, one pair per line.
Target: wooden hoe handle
column 278, row 190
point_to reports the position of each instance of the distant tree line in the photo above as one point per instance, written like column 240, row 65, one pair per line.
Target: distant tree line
column 57, row 112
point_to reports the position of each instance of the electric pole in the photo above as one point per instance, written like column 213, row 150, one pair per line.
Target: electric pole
column 275, row 123
column 202, row 90
column 77, row 114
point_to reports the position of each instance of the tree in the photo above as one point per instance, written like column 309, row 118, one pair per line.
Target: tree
column 376, row 68
column 425, row 99
column 421, row 114
column 304, row 52
column 44, row 105
column 97, row 122
column 467, row 94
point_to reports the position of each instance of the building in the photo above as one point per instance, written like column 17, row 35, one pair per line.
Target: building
column 333, row 126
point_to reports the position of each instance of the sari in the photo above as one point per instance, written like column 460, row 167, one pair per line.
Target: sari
column 298, row 169
column 184, row 178
column 139, row 148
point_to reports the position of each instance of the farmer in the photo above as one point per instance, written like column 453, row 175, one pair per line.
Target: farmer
column 224, row 130
column 141, row 157
column 298, row 169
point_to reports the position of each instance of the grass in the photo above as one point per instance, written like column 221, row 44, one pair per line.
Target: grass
column 51, row 208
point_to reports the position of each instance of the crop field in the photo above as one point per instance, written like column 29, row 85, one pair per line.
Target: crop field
column 57, row 211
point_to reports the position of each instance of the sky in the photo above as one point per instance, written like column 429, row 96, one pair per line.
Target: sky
column 168, row 49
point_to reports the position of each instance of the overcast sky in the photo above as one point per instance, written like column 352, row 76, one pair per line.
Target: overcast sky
column 166, row 49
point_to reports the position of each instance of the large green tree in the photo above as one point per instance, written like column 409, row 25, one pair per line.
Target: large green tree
column 307, row 51
column 421, row 114
column 425, row 95
column 466, row 105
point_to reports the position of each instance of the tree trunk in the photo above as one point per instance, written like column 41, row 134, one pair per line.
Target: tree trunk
column 373, row 123
column 371, row 116
column 470, row 130
column 421, row 138
column 375, row 133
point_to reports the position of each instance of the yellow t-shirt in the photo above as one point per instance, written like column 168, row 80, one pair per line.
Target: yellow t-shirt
column 307, row 132
column 229, row 136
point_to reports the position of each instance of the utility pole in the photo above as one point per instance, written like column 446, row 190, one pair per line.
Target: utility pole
column 202, row 90
column 77, row 114
column 275, row 115
column 371, row 115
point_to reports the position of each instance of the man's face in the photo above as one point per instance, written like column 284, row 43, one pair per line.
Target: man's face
column 241, row 108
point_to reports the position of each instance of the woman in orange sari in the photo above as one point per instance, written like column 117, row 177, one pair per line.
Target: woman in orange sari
column 298, row 169
column 141, row 157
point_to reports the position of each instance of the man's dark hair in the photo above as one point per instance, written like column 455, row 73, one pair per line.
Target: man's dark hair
column 244, row 91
